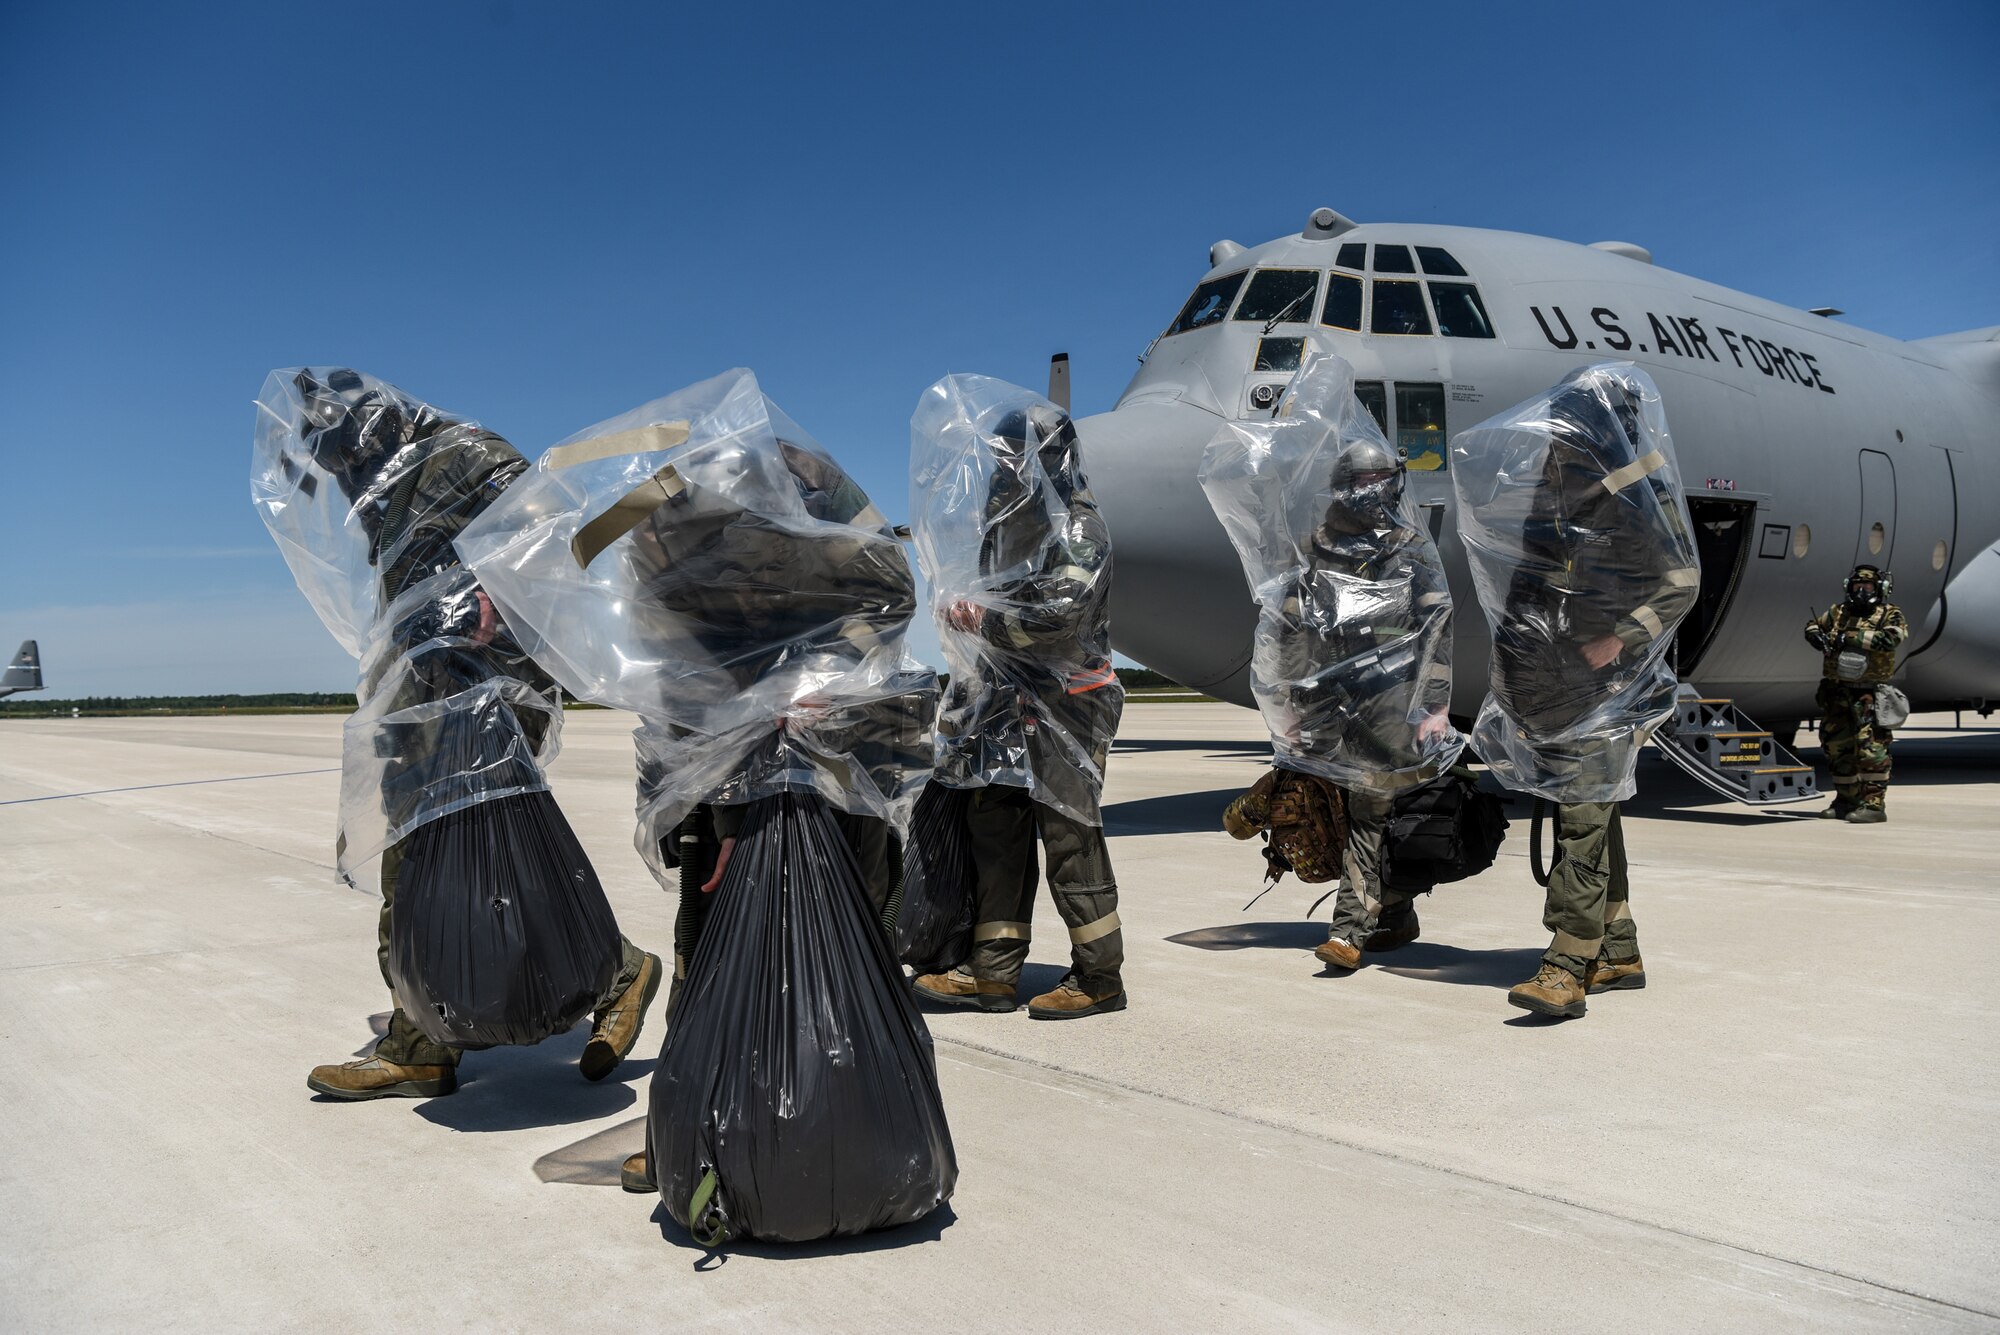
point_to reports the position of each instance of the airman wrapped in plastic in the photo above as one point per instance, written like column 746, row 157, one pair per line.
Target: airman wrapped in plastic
column 1576, row 527
column 1352, row 658
column 703, row 563
column 364, row 488
column 1019, row 563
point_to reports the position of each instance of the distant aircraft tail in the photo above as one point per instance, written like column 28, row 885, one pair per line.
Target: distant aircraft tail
column 25, row 672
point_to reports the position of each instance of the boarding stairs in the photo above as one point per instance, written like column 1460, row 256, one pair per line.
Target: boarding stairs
column 1716, row 743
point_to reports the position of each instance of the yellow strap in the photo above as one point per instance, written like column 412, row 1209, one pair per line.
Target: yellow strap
column 1091, row 931
column 1620, row 478
column 1650, row 619
column 1687, row 577
column 1002, row 931
column 625, row 514
column 645, row 440
column 1620, row 911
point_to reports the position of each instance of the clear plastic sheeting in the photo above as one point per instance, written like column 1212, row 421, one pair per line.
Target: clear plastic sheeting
column 703, row 563
column 1576, row 527
column 364, row 488
column 1019, row 563
column 1351, row 664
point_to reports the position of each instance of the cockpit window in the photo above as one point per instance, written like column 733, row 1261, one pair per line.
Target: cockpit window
column 1460, row 312
column 1208, row 305
column 1437, row 261
column 1280, row 294
column 1343, row 302
column 1393, row 259
column 1399, row 307
column 1353, row 255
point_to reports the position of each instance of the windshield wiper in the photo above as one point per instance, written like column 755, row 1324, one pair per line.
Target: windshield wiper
column 1272, row 323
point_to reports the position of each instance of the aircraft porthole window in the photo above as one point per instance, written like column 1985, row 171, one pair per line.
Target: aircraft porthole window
column 1877, row 535
column 1801, row 541
column 1208, row 305
column 1353, row 255
column 1393, row 259
column 1399, row 308
column 1439, row 261
column 1280, row 295
column 1938, row 554
column 1420, row 437
column 1460, row 312
column 1371, row 395
column 1343, row 302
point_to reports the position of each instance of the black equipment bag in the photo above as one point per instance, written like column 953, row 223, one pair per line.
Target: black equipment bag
column 1445, row 830
column 934, row 924
column 797, row 1095
column 499, row 932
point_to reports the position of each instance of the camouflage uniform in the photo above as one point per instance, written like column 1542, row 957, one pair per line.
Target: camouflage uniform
column 1589, row 903
column 1856, row 748
column 1039, row 669
column 463, row 470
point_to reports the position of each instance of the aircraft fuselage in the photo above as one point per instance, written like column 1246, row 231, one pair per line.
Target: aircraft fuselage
column 1806, row 445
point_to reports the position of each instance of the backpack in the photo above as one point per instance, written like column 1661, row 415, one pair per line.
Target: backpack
column 1304, row 820
column 1446, row 830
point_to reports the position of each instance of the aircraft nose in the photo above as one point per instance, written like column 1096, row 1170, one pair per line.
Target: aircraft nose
column 1178, row 601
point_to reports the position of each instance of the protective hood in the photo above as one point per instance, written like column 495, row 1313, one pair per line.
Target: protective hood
column 1576, row 528
column 1351, row 665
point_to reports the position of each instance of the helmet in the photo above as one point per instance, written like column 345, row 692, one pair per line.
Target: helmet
column 1877, row 582
column 350, row 429
column 1366, row 488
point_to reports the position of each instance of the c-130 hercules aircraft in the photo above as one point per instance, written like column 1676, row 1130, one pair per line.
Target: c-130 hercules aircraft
column 1807, row 446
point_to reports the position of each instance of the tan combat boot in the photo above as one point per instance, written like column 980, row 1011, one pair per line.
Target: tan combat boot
column 1867, row 816
column 959, row 988
column 373, row 1078
column 1615, row 976
column 1338, row 953
column 636, row 1174
column 1399, row 933
column 1553, row 990
column 618, row 1024
column 1074, row 997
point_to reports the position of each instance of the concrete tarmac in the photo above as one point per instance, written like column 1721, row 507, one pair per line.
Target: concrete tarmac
column 1792, row 1127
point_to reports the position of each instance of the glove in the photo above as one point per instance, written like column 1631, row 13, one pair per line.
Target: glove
column 1816, row 638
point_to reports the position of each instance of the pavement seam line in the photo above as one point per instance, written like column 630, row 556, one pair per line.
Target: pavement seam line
column 1469, row 1176
column 182, row 783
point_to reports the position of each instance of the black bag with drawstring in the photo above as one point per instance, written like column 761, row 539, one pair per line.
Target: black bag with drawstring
column 934, row 922
column 797, row 1095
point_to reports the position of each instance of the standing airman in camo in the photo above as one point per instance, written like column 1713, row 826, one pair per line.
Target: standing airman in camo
column 1859, row 638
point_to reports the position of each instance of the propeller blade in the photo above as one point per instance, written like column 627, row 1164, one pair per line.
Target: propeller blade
column 1059, row 380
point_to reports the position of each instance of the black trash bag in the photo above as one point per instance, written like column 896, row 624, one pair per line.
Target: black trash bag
column 1446, row 830
column 797, row 1095
column 500, row 932
column 934, row 924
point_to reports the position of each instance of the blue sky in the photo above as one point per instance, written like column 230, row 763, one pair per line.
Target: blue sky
column 542, row 215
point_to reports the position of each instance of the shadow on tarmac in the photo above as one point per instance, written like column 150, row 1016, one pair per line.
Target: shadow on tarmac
column 1297, row 935
column 515, row 1088
column 928, row 1229
column 1172, row 813
column 1433, row 962
column 1259, row 749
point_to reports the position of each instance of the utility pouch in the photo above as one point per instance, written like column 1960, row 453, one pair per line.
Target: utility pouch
column 1852, row 665
column 1892, row 707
